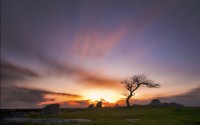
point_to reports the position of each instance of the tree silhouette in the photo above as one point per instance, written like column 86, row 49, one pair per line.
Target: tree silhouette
column 133, row 83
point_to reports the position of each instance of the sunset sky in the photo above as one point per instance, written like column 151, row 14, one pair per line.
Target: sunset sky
column 76, row 52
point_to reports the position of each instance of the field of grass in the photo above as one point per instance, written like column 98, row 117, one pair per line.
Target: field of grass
column 119, row 116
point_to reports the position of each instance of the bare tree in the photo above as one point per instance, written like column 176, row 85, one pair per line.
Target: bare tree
column 133, row 83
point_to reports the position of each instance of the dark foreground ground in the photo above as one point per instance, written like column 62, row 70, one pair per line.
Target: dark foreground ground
column 125, row 116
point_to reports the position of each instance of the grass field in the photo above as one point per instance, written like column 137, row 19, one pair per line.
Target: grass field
column 145, row 116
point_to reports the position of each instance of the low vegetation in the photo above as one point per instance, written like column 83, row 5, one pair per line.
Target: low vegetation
column 129, row 116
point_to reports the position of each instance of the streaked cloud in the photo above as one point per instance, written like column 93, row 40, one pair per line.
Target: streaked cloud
column 76, row 104
column 97, row 42
column 29, row 97
column 61, row 98
column 12, row 73
column 84, row 76
column 189, row 98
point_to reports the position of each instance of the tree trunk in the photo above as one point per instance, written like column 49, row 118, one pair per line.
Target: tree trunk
column 127, row 101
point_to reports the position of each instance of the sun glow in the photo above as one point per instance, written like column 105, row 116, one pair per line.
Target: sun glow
column 102, row 95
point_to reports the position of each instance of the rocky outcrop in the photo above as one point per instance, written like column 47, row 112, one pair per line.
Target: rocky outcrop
column 91, row 106
column 99, row 104
column 174, row 104
column 155, row 102
column 116, row 106
column 50, row 109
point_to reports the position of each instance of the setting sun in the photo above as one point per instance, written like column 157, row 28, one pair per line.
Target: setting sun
column 102, row 95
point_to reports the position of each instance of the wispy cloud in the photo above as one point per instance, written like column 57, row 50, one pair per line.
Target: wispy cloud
column 11, row 73
column 96, row 42
column 84, row 76
column 98, row 80
column 190, row 98
column 76, row 104
column 18, row 97
column 50, row 98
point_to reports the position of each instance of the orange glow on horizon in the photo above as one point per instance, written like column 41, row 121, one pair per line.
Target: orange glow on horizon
column 109, row 98
column 103, row 95
column 56, row 98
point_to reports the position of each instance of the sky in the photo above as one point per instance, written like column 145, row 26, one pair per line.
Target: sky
column 76, row 52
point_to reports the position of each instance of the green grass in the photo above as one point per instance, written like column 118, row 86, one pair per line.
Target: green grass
column 118, row 116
